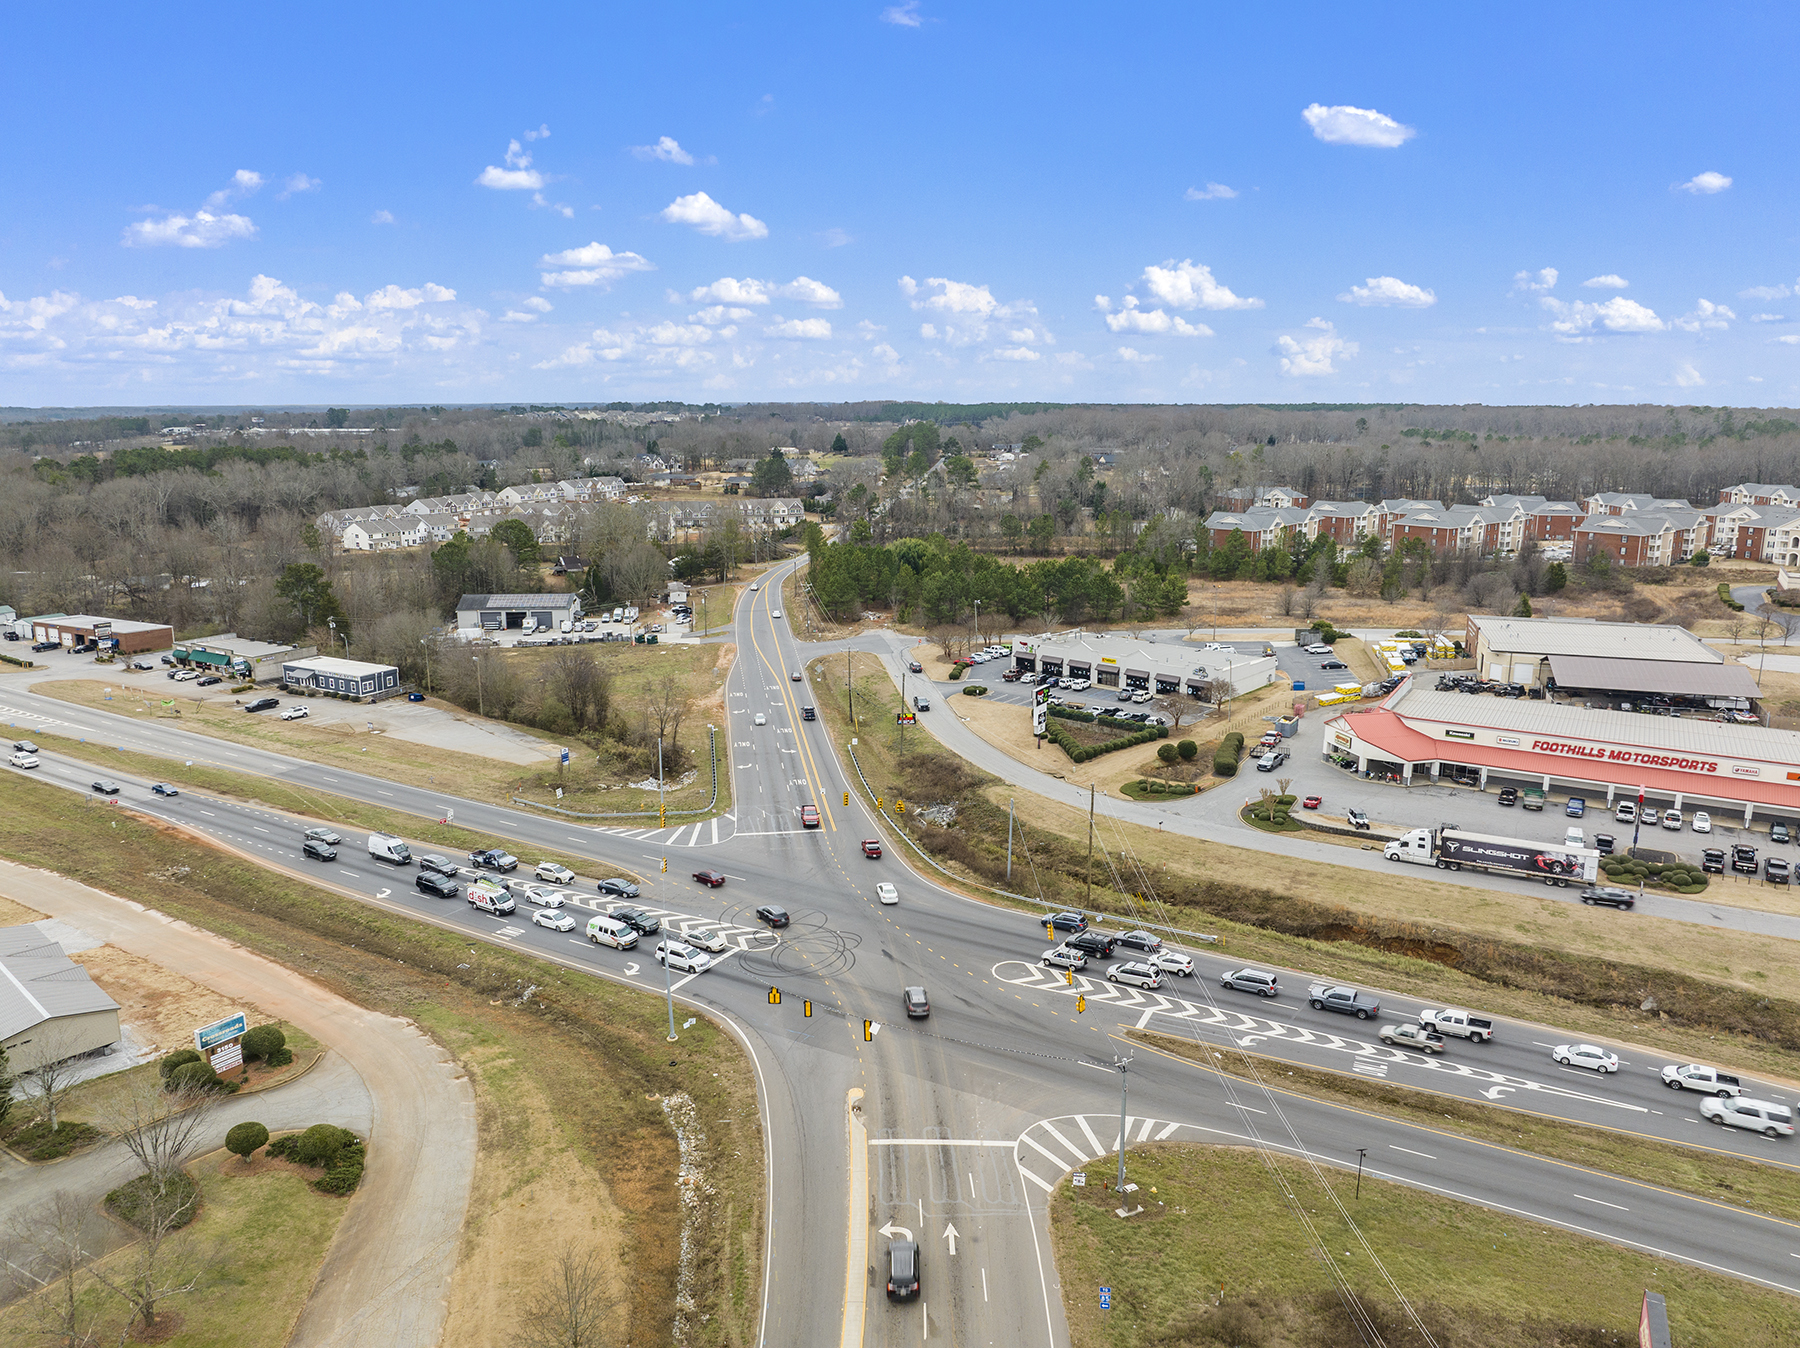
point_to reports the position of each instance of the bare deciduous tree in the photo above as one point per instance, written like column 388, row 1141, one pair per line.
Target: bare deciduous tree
column 570, row 1307
column 573, row 677
column 162, row 1262
column 665, row 706
column 47, row 1257
column 163, row 1129
column 55, row 1070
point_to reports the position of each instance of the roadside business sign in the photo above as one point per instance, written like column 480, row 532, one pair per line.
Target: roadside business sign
column 1040, row 709
column 209, row 1037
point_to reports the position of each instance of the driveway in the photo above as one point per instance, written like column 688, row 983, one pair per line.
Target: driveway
column 386, row 1278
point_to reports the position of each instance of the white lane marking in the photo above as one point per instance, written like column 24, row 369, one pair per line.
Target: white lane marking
column 209, row 814
column 1047, row 1154
column 1601, row 1201
column 1097, row 1067
column 1410, row 1152
column 388, row 794
column 936, row 1142
column 259, row 828
column 1246, row 1108
column 984, row 1295
column 1076, row 1151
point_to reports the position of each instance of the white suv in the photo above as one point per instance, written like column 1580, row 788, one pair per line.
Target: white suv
column 1768, row 1119
column 1137, row 974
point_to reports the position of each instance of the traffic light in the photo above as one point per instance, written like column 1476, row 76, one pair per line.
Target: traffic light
column 1049, row 932
column 878, row 802
column 806, row 1007
column 665, row 865
column 868, row 1031
column 1069, row 977
column 900, row 805
column 774, row 996
column 846, row 800
column 1080, row 1003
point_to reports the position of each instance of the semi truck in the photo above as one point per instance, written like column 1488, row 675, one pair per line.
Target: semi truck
column 1453, row 849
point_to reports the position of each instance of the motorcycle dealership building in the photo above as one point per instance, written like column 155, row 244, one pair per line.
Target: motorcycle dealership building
column 1416, row 734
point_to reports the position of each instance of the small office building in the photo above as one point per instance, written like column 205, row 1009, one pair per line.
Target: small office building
column 353, row 678
column 74, row 629
column 477, row 614
column 1115, row 662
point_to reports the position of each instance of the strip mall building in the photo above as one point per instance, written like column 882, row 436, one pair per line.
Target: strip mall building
column 1417, row 735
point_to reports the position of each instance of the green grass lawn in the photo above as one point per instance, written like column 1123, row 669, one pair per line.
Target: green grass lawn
column 1223, row 1258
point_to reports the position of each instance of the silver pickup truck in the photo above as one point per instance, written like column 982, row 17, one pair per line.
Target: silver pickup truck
column 1413, row 1036
column 1346, row 1001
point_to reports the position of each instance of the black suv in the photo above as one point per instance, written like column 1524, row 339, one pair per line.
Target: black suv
column 1780, row 832
column 1097, row 943
column 808, row 714
column 318, row 851
column 1509, row 795
column 440, row 886
column 638, row 920
column 903, row 1270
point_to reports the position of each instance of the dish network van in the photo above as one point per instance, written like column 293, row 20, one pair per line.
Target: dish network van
column 1453, row 849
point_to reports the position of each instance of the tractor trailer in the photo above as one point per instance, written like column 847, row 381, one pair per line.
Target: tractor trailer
column 1453, row 849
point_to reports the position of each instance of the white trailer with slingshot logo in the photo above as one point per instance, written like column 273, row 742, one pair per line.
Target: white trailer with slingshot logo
column 1453, row 849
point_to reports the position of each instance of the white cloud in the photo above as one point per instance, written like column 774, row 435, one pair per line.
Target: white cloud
column 202, row 229
column 1015, row 353
column 1791, row 339
column 1134, row 357
column 518, row 175
column 1618, row 315
column 1706, row 317
column 928, row 331
column 667, row 149
column 1688, row 377
column 904, row 15
column 716, row 314
column 1534, row 283
column 869, row 331
column 1345, row 125
column 951, row 297
column 885, row 353
column 382, row 218
column 36, row 314
column 1389, row 290
column 1211, row 192
column 393, row 297
column 801, row 329
column 709, row 217
column 1158, row 322
column 1768, row 318
column 1766, row 293
column 244, row 183
column 592, row 264
column 1190, row 285
column 1704, row 184
column 529, row 310
column 809, row 291
column 682, row 334
column 833, row 237
column 1610, row 281
column 1314, row 355
column 542, row 133
column 731, row 290
column 296, row 183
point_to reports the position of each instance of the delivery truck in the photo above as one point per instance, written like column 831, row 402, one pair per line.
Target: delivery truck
column 1453, row 849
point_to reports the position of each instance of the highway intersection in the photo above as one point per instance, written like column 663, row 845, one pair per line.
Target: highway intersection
column 954, row 1128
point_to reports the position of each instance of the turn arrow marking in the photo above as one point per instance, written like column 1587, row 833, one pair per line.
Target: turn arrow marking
column 890, row 1231
column 383, row 893
column 1495, row 1092
column 631, row 968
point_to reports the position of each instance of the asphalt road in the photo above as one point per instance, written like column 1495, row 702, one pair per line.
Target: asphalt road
column 962, row 1119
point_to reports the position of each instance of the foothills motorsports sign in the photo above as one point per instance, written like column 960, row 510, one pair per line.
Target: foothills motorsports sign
column 1636, row 757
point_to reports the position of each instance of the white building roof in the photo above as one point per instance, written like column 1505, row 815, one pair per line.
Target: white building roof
column 1617, row 641
column 343, row 669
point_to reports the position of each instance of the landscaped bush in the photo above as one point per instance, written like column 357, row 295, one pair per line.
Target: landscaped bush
column 344, row 1173
column 975, row 690
column 321, row 1143
column 1081, row 753
column 141, row 1203
column 1679, row 876
column 1726, row 599
column 179, row 1058
column 264, row 1040
column 1225, row 757
column 245, row 1138
column 1167, row 753
column 1188, row 750
column 195, row 1073
column 38, row 1141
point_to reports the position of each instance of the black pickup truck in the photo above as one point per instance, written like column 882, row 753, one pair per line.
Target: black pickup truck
column 1350, row 1002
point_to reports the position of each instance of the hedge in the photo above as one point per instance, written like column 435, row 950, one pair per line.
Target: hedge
column 1081, row 753
column 975, row 690
column 1225, row 757
column 1726, row 599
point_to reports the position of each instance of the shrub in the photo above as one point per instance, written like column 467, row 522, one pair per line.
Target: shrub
column 321, row 1143
column 1726, row 599
column 344, row 1173
column 1188, row 750
column 139, row 1202
column 975, row 690
column 283, row 1148
column 178, row 1058
column 195, row 1073
column 264, row 1040
column 1167, row 753
column 1225, row 757
column 281, row 1057
column 1700, row 559
column 245, row 1138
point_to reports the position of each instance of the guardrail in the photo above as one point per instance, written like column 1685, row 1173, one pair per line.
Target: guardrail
column 712, row 747
column 1201, row 938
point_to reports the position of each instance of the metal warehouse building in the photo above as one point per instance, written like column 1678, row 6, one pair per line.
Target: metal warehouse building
column 1114, row 663
column 1416, row 735
column 49, row 1008
column 478, row 613
column 69, row 629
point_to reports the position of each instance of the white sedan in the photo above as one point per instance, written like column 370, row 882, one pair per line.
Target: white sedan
column 555, row 874
column 553, row 918
column 1586, row 1055
column 294, row 714
column 543, row 896
column 1320, row 649
column 887, row 893
column 774, row 613
column 1702, row 822
column 761, row 719
column 706, row 940
column 683, row 957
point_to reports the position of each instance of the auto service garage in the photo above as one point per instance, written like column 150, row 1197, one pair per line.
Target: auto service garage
column 75, row 629
column 1163, row 670
column 1418, row 735
column 1521, row 650
column 479, row 614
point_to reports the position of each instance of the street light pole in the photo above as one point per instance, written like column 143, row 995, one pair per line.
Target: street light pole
column 1122, row 1064
column 662, row 818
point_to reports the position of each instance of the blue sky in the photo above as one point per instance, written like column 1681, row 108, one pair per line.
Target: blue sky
column 1189, row 203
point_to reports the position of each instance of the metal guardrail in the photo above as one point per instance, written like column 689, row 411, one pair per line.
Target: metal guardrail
column 712, row 745
column 1201, row 938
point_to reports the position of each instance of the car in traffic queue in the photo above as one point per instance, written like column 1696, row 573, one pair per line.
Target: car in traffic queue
column 1136, row 973
column 556, row 919
column 556, row 874
column 1066, row 922
column 637, row 919
column 623, row 889
column 774, row 914
column 1173, row 962
column 1259, row 981
column 809, row 816
column 1591, row 1056
column 1063, row 957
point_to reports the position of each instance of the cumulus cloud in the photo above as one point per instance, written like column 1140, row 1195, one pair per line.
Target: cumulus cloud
column 1014, row 353
column 709, row 217
column 1610, row 281
column 885, row 353
column 382, row 218
column 1134, row 357
column 244, row 183
column 833, row 237
column 202, row 229
column 393, row 297
column 905, row 15
column 1346, row 125
column 1704, row 184
column 518, row 175
column 1389, row 290
column 1688, row 377
column 1313, row 355
column 1534, row 283
column 731, row 290
column 1577, row 319
column 716, row 314
column 951, row 297
column 800, row 329
column 1706, row 317
column 1768, row 318
column 667, row 149
column 1190, row 285
column 593, row 264
column 678, row 346
column 1791, row 339
column 296, row 183
column 529, row 310
column 1211, row 192
column 1767, row 292
column 1159, row 322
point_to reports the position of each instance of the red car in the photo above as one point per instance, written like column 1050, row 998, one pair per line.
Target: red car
column 712, row 878
column 809, row 816
column 1312, row 802
column 871, row 847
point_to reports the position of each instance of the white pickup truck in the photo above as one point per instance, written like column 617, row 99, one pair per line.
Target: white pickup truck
column 1421, row 1037
column 1452, row 1021
column 1695, row 1077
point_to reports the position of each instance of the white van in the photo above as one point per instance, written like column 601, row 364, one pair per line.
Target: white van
column 631, row 613
column 604, row 930
column 567, row 625
column 619, row 615
column 385, row 848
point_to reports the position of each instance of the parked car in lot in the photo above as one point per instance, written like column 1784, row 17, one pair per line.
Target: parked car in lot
column 1780, row 832
column 1586, row 1055
column 1605, row 843
column 263, row 704
column 1712, row 860
column 1312, row 802
column 1063, row 957
column 210, row 680
column 1576, row 807
column 1509, row 795
column 295, row 714
column 1776, row 870
column 1625, row 812
column 624, row 889
column 1762, row 1116
column 1319, row 649
column 1702, row 822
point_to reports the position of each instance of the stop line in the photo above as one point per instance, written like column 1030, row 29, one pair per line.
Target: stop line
column 1247, row 1031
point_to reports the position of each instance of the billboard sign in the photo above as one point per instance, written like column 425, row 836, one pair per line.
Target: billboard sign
column 1040, row 709
column 209, row 1037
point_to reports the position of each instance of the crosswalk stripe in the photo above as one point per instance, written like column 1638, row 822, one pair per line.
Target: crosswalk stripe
column 1082, row 1120
column 1047, row 1154
column 1073, row 1150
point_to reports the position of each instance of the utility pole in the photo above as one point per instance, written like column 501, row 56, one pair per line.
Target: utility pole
column 1089, row 902
column 1009, row 833
column 1360, row 1153
column 1122, row 1064
column 850, row 687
